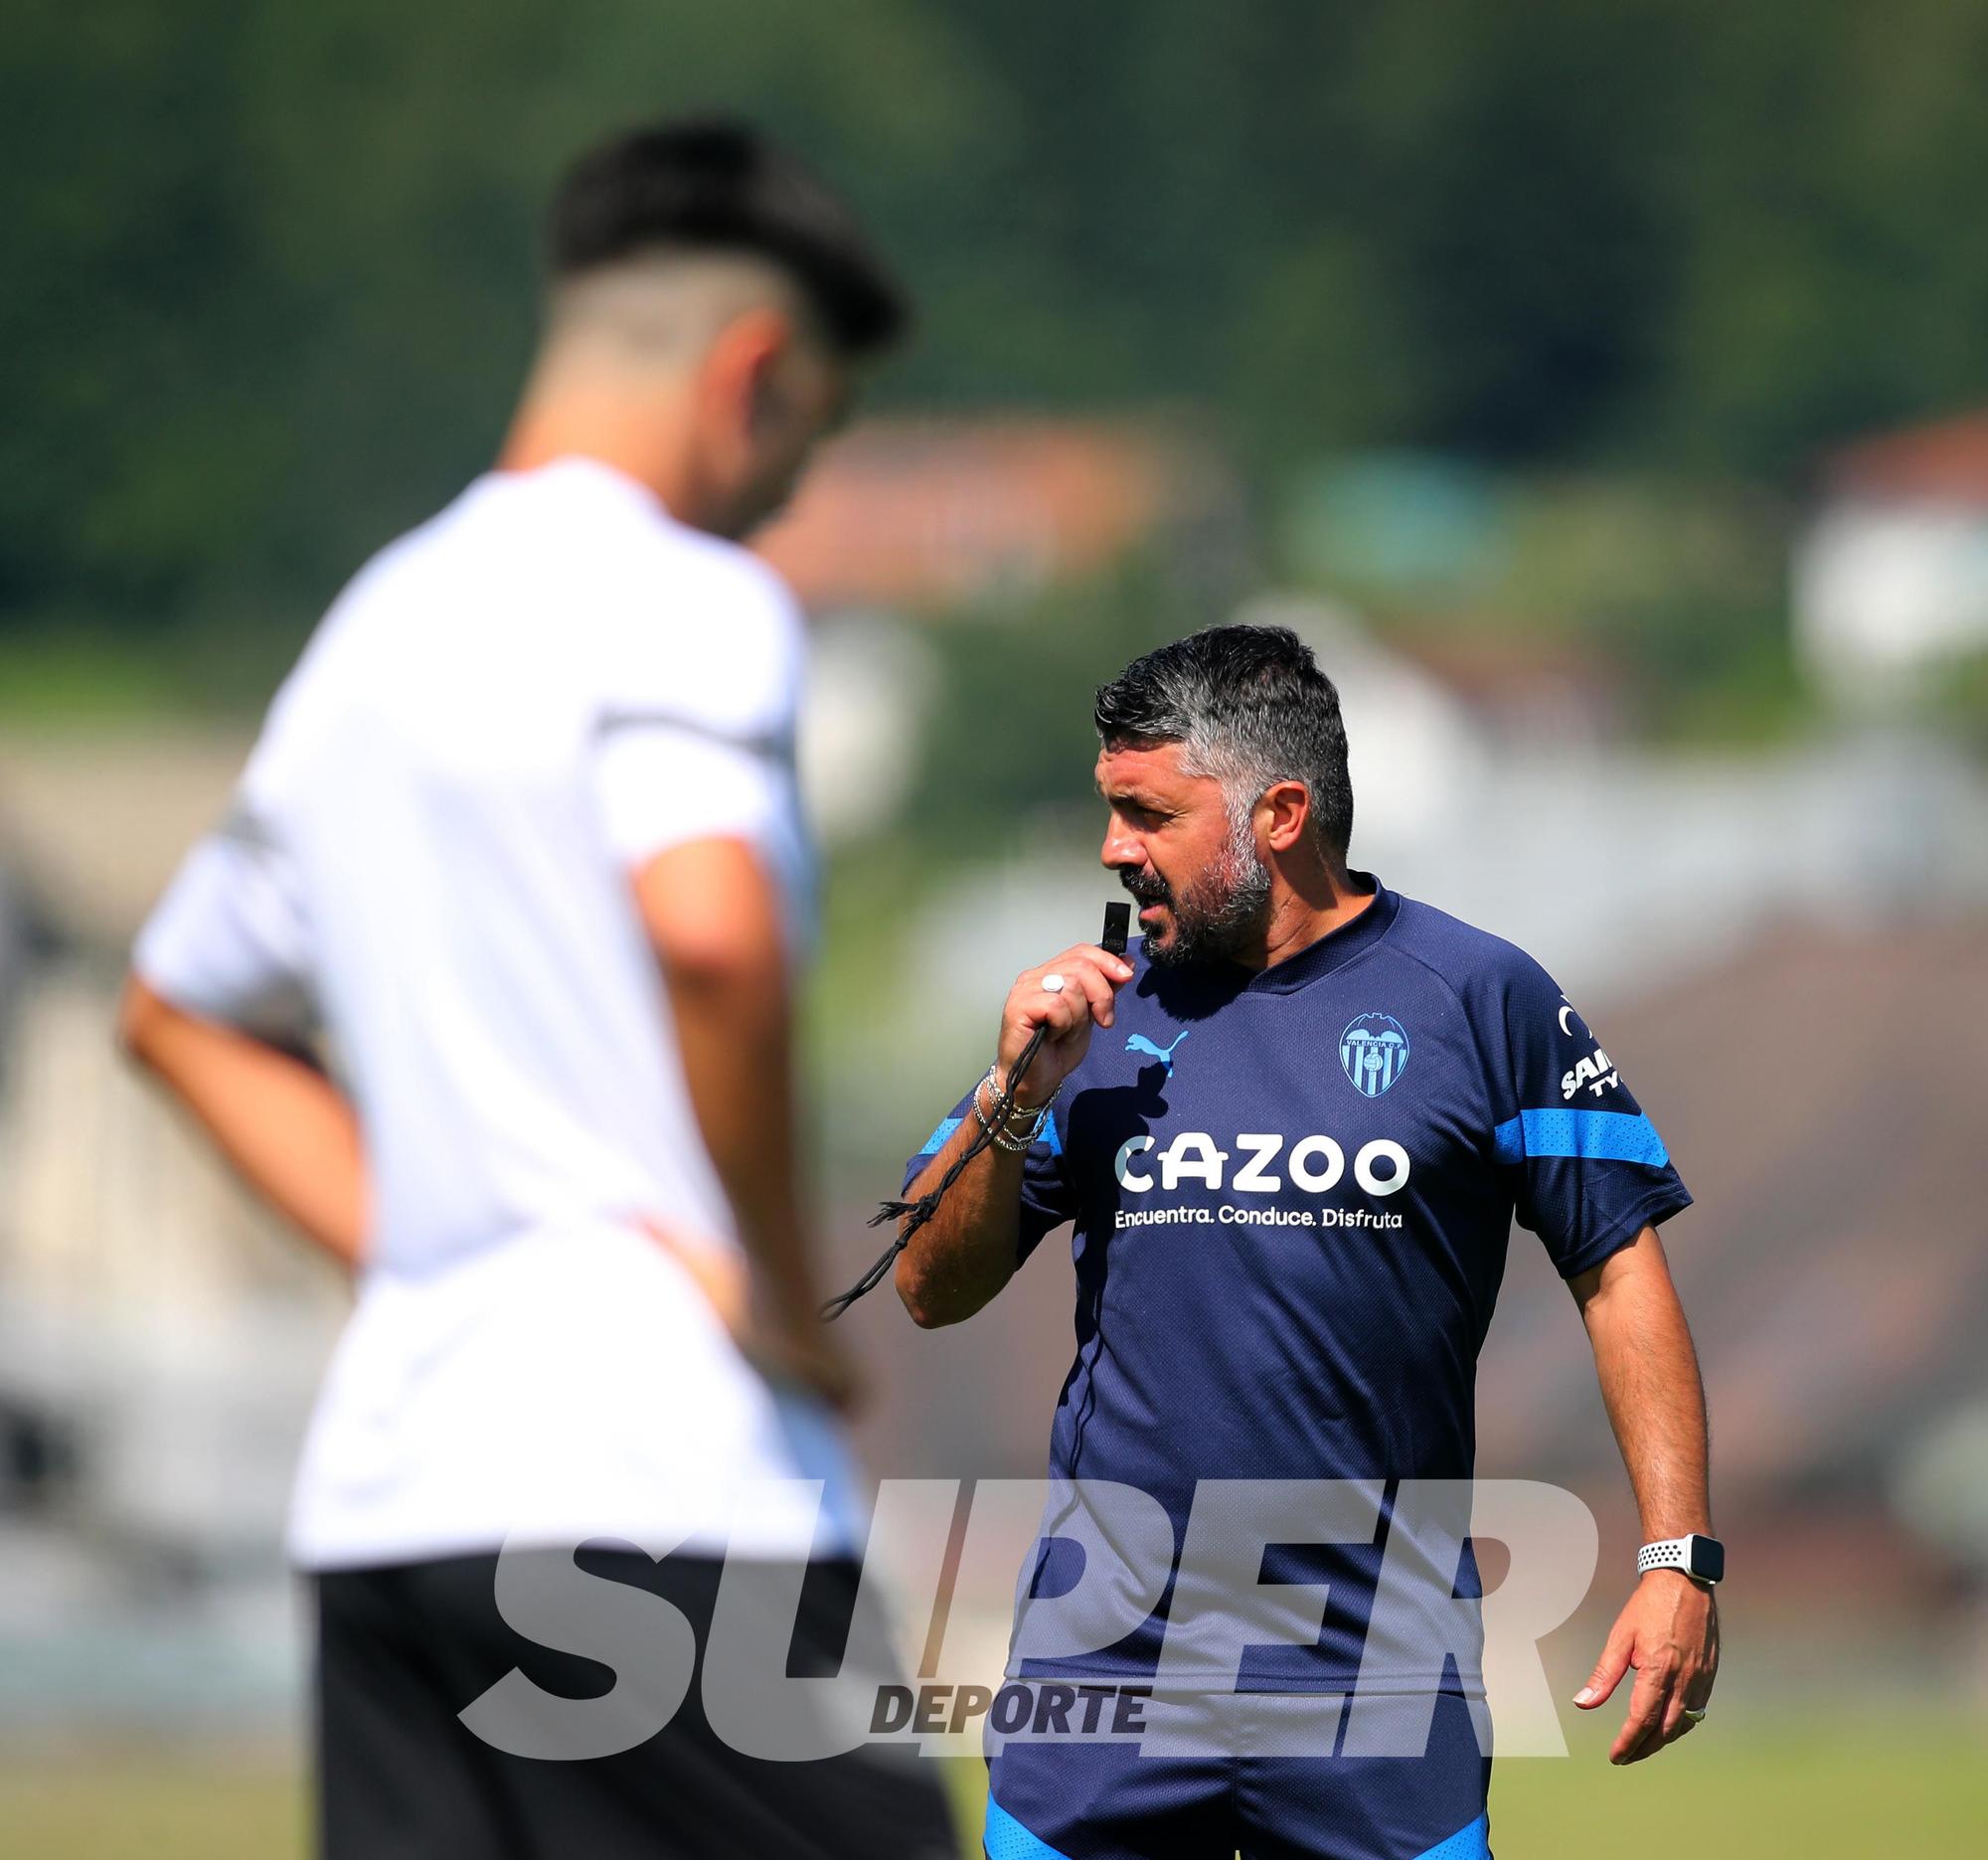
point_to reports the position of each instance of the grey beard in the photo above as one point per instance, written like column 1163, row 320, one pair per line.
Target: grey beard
column 1221, row 913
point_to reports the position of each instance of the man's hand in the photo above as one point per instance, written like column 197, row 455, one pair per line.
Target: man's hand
column 1669, row 1633
column 1090, row 975
column 795, row 1347
column 969, row 1250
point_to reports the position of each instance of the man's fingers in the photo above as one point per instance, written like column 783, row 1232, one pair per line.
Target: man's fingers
column 1673, row 1672
column 1676, row 1724
column 1607, row 1673
column 1070, row 1009
column 1086, row 995
column 720, row 1275
column 1115, row 968
column 1646, row 1713
column 1058, row 1012
column 1657, row 1738
column 1064, row 1018
column 1096, row 989
column 726, row 1286
column 1089, row 977
column 1095, row 966
column 1685, row 1696
column 790, row 1360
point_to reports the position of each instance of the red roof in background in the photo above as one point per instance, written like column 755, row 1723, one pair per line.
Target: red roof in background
column 1944, row 461
column 920, row 515
column 1490, row 666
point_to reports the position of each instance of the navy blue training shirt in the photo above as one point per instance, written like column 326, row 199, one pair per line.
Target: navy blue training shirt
column 1291, row 1193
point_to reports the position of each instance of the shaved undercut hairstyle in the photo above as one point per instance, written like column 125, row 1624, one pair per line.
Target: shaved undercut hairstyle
column 1250, row 708
column 717, row 187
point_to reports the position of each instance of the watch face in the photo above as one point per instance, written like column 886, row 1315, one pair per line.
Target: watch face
column 1707, row 1559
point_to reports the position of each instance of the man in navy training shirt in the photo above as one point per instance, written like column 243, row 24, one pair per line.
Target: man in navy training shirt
column 1291, row 1137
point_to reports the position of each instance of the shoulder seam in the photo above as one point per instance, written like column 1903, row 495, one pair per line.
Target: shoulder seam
column 1470, row 1024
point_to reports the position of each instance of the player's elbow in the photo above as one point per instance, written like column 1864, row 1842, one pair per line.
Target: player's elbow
column 932, row 1307
column 913, row 1295
column 711, row 969
column 926, row 1316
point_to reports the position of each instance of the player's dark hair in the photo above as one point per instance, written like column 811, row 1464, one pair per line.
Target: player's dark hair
column 1251, row 707
column 720, row 186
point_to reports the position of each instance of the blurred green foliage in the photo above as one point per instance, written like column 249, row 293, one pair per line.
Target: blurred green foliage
column 1961, row 699
column 1008, row 744
column 269, row 268
column 1679, row 584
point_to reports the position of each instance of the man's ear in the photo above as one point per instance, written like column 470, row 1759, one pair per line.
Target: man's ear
column 742, row 364
column 1289, row 805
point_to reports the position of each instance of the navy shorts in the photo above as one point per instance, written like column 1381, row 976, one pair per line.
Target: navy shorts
column 1092, row 1801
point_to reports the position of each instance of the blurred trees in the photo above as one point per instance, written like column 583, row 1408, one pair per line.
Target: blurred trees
column 268, row 269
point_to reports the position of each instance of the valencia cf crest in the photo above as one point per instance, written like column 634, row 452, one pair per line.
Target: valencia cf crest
column 1374, row 1049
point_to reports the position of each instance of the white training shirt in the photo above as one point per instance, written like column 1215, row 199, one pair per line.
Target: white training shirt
column 504, row 715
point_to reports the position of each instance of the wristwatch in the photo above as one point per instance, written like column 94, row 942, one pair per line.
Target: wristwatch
column 1703, row 1559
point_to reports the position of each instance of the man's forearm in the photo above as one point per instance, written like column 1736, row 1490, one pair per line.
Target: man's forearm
column 1649, row 1376
column 734, row 1030
column 961, row 1257
column 1668, row 1631
column 713, row 914
column 285, row 1129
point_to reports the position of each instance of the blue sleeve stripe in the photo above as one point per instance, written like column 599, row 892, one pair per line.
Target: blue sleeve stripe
column 1005, row 1838
column 1049, row 1139
column 1591, row 1135
column 936, row 1141
column 1473, row 1842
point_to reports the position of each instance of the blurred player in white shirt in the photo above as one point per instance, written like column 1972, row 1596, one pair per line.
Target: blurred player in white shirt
column 520, row 840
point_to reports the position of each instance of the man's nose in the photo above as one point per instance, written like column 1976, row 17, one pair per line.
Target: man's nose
column 1120, row 849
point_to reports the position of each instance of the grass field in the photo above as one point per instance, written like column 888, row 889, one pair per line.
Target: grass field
column 1820, row 1790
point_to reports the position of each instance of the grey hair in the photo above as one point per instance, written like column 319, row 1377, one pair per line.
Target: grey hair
column 1250, row 708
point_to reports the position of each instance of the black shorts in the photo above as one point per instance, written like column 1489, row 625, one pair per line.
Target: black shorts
column 401, row 1651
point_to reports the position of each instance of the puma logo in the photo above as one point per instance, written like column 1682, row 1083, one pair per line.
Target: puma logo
column 1138, row 1043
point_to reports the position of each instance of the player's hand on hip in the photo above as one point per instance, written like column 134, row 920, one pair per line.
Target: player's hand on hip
column 787, row 1345
column 803, row 1352
column 716, row 1272
column 1669, row 1633
column 1068, row 995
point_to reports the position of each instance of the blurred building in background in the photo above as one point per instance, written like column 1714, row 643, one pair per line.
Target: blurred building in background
column 159, row 1340
column 1892, row 575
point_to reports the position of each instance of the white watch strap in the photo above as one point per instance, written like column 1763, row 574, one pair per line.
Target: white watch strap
column 1673, row 1552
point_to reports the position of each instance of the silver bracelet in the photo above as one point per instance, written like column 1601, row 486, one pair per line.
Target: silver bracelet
column 1033, row 1109
column 1007, row 1137
column 1037, row 1112
column 1015, row 1146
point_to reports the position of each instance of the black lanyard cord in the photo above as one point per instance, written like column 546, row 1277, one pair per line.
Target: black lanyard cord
column 915, row 1214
